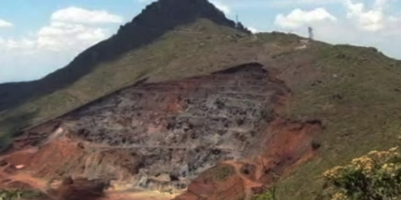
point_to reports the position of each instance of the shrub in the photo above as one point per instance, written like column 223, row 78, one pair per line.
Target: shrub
column 375, row 176
column 223, row 172
column 10, row 194
column 269, row 195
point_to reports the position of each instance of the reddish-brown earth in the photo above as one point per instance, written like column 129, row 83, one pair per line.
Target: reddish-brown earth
column 210, row 137
column 286, row 145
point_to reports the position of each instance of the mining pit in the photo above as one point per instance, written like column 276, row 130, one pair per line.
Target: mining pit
column 216, row 136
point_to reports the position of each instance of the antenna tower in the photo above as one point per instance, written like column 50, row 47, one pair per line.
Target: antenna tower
column 310, row 31
column 236, row 20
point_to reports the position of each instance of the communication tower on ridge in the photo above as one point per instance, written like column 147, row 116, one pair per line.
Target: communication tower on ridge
column 236, row 20
column 310, row 31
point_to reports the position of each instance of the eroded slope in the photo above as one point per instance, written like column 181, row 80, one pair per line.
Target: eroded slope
column 161, row 136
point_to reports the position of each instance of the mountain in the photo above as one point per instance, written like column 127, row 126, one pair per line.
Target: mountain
column 200, row 108
column 155, row 21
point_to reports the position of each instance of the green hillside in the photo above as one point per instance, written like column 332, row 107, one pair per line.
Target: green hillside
column 193, row 46
column 356, row 93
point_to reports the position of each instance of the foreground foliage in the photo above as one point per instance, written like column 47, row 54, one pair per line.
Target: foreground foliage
column 18, row 194
column 10, row 194
column 375, row 176
column 269, row 195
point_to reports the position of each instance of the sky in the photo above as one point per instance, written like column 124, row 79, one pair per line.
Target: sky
column 37, row 38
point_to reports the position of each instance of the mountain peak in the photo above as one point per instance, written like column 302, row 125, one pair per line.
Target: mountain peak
column 165, row 14
column 155, row 20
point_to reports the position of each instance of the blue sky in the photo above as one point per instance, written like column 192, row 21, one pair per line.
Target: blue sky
column 37, row 38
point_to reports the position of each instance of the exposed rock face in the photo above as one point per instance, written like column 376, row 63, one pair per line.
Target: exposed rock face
column 183, row 127
column 194, row 122
column 161, row 136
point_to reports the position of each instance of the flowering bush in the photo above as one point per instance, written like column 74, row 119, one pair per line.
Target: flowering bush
column 375, row 176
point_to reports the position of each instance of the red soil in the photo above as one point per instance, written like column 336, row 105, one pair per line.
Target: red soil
column 286, row 145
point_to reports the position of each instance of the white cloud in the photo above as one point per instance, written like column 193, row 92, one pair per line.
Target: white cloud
column 80, row 15
column 221, row 6
column 299, row 17
column 286, row 3
column 363, row 25
column 374, row 19
column 52, row 46
column 253, row 29
column 59, row 36
column 5, row 24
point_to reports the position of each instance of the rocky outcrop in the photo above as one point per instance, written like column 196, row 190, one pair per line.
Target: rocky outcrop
column 183, row 127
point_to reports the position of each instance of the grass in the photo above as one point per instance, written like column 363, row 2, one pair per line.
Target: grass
column 223, row 172
column 265, row 196
column 219, row 173
column 366, row 116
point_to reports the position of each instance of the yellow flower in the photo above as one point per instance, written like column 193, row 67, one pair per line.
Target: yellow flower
column 332, row 173
column 390, row 169
column 373, row 152
column 394, row 149
column 339, row 196
column 364, row 163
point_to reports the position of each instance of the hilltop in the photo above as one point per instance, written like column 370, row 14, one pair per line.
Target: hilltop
column 322, row 105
